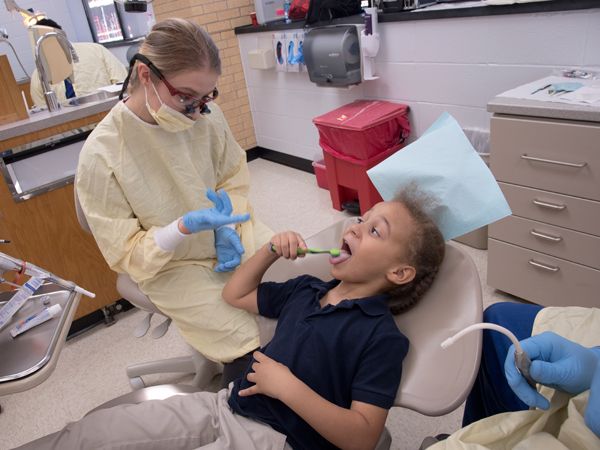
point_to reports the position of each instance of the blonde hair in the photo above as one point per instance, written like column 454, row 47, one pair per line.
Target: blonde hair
column 175, row 46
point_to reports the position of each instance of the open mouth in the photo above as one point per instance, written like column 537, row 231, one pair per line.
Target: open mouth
column 345, row 254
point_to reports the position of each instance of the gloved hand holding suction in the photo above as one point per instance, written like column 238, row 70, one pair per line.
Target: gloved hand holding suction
column 229, row 250
column 557, row 363
column 211, row 219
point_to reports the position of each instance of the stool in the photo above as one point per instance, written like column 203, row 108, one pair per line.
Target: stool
column 348, row 180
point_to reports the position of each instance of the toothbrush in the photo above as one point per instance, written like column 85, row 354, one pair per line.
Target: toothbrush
column 332, row 252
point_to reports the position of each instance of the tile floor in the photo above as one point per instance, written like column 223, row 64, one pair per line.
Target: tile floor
column 91, row 368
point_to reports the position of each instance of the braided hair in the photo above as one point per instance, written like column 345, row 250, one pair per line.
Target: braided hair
column 424, row 251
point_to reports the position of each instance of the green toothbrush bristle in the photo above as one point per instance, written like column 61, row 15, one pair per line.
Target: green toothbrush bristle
column 334, row 252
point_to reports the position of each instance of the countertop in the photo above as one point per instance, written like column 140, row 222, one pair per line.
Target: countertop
column 443, row 11
column 552, row 110
column 44, row 119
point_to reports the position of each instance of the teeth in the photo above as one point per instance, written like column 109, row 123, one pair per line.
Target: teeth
column 346, row 247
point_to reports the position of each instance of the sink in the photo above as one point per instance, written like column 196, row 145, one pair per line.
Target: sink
column 89, row 98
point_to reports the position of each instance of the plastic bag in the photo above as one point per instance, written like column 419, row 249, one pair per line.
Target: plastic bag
column 299, row 9
column 331, row 9
column 480, row 140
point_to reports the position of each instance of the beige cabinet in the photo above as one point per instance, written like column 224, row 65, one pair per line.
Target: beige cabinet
column 548, row 250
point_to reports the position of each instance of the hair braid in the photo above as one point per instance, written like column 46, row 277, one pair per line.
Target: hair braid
column 407, row 295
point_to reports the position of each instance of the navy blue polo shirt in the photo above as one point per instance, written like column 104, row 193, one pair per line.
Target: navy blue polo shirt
column 350, row 351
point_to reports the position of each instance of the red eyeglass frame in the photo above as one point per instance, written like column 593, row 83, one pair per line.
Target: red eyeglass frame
column 196, row 101
column 201, row 101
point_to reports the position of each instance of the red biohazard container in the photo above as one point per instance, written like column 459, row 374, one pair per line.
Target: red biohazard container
column 348, row 181
column 364, row 129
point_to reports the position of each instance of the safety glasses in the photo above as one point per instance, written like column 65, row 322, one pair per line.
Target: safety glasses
column 185, row 101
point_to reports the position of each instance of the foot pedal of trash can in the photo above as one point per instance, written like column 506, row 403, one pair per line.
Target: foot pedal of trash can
column 352, row 207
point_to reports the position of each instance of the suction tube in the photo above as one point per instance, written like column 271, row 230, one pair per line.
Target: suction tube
column 522, row 360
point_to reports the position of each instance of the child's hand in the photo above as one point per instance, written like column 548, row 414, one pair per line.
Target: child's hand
column 270, row 377
column 286, row 244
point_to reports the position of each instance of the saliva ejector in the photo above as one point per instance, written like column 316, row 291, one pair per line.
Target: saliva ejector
column 8, row 263
column 522, row 360
column 38, row 277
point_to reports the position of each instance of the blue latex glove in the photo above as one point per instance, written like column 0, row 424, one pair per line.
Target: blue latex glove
column 213, row 218
column 229, row 250
column 290, row 57
column 556, row 362
column 299, row 57
column 592, row 410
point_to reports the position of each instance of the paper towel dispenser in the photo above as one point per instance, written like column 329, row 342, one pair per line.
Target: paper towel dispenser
column 332, row 56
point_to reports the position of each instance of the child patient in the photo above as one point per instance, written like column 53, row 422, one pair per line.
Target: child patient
column 332, row 370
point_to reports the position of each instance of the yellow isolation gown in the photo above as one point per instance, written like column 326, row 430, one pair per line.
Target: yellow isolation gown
column 133, row 178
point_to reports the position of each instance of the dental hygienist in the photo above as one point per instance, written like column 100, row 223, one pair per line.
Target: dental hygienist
column 145, row 181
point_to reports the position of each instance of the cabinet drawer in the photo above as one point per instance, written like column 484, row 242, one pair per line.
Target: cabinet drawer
column 573, row 246
column 561, row 210
column 510, row 269
column 572, row 147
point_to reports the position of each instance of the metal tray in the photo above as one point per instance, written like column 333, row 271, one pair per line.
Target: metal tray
column 29, row 352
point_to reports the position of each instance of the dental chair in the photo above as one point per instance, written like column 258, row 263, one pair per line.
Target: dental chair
column 197, row 363
column 435, row 381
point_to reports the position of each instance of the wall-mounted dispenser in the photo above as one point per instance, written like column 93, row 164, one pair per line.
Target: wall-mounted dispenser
column 332, row 56
column 369, row 43
column 261, row 58
column 280, row 51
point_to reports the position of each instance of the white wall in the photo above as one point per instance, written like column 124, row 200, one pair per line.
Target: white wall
column 455, row 65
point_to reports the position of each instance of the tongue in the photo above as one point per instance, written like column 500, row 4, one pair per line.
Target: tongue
column 344, row 256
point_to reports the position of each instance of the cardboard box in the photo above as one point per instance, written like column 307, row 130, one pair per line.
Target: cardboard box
column 280, row 51
column 295, row 43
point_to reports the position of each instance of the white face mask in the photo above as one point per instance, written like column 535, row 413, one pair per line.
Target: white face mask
column 168, row 119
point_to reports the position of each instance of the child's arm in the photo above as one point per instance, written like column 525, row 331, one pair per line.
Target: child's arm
column 240, row 290
column 359, row 427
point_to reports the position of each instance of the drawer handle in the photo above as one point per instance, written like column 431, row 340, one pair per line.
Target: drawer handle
column 549, row 205
column 546, row 236
column 544, row 266
column 560, row 163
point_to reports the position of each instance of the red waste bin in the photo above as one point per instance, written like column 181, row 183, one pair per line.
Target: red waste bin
column 364, row 128
column 348, row 180
column 355, row 138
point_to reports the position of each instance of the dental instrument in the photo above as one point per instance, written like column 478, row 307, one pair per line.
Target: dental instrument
column 541, row 89
column 522, row 360
column 332, row 252
column 3, row 281
column 8, row 263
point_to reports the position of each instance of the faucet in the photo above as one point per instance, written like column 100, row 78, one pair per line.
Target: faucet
column 50, row 96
